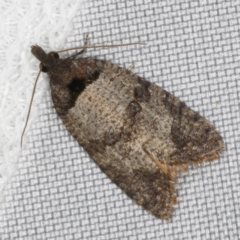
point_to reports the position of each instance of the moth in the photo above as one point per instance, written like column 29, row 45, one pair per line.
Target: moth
column 140, row 135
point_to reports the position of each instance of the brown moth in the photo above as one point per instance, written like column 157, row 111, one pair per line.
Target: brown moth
column 140, row 135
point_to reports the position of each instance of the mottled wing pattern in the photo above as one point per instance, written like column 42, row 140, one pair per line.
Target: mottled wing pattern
column 140, row 135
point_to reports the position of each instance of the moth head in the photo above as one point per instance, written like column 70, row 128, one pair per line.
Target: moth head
column 48, row 61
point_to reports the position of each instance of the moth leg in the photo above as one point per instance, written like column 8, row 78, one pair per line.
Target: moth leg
column 86, row 40
column 84, row 48
column 129, row 69
column 131, row 66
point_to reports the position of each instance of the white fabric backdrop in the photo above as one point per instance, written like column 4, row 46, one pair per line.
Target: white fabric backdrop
column 51, row 189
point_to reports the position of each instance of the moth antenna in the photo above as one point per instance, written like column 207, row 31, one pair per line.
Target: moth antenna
column 30, row 105
column 103, row 46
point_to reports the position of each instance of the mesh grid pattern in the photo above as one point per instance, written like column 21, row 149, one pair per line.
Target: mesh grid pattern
column 57, row 191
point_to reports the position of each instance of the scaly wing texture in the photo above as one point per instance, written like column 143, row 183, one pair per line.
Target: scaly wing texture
column 140, row 135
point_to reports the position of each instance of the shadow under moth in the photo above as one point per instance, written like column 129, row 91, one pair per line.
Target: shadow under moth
column 140, row 135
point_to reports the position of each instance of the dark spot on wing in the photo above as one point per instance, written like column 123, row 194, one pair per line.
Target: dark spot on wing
column 144, row 82
column 94, row 146
column 196, row 116
column 174, row 107
column 141, row 94
column 94, row 76
column 77, row 85
column 111, row 138
column 133, row 108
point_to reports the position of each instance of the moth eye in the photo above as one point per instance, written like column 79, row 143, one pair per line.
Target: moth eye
column 54, row 54
column 43, row 68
